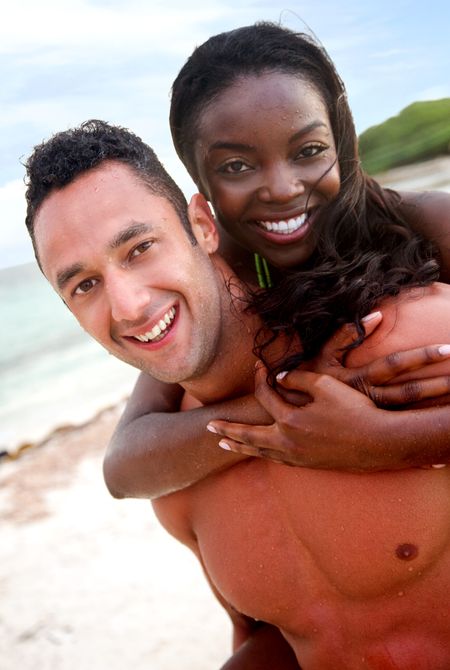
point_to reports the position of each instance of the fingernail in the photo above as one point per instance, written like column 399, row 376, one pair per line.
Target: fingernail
column 444, row 350
column 224, row 445
column 370, row 317
column 438, row 466
column 211, row 428
column 282, row 375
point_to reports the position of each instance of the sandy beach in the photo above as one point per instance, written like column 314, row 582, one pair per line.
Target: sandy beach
column 92, row 583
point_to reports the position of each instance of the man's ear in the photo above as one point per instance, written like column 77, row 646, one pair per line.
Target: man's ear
column 203, row 224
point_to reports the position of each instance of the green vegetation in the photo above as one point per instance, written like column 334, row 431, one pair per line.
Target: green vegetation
column 421, row 131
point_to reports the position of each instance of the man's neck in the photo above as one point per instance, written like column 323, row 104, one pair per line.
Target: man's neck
column 231, row 373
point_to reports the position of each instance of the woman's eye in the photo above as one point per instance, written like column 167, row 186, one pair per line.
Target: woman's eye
column 234, row 167
column 140, row 249
column 85, row 286
column 311, row 150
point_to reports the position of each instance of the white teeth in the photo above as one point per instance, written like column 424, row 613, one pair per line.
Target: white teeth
column 284, row 227
column 158, row 328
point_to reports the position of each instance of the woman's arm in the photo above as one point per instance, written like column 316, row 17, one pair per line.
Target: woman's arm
column 265, row 649
column 362, row 437
column 157, row 449
column 340, row 429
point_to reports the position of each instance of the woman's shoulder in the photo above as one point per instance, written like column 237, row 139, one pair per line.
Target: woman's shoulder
column 425, row 209
column 428, row 213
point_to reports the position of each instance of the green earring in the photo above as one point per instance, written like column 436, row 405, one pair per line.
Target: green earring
column 262, row 272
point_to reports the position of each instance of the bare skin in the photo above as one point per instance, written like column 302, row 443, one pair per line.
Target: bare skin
column 89, row 265
column 142, row 461
column 150, row 467
column 251, row 507
column 429, row 214
column 265, row 171
column 354, row 567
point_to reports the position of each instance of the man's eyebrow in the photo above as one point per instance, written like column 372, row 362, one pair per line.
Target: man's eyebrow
column 123, row 236
column 64, row 276
column 128, row 234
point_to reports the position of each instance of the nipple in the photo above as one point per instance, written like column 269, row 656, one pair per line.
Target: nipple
column 407, row 552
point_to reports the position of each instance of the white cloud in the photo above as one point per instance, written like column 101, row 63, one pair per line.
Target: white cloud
column 63, row 61
column 16, row 245
column 65, row 24
column 434, row 92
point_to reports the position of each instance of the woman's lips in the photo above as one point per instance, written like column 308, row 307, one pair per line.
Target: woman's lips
column 285, row 226
column 285, row 231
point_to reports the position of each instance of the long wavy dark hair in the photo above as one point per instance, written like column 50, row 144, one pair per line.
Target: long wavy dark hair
column 360, row 258
column 365, row 250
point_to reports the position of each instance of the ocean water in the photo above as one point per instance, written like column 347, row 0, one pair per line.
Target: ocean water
column 51, row 373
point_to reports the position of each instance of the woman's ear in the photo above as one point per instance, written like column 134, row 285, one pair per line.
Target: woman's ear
column 203, row 224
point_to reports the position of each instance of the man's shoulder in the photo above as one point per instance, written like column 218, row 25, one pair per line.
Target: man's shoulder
column 415, row 318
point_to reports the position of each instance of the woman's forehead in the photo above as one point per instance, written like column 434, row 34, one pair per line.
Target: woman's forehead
column 272, row 96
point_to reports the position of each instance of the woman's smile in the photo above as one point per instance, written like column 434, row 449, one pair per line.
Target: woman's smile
column 268, row 172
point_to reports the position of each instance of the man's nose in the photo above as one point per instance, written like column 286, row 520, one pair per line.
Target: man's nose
column 281, row 184
column 128, row 298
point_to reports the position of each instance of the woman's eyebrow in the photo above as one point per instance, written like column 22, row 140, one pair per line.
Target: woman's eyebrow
column 242, row 146
column 232, row 146
column 307, row 129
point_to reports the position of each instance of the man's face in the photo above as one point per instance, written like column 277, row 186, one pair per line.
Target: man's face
column 119, row 257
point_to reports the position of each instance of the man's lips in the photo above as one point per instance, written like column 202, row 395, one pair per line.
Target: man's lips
column 158, row 331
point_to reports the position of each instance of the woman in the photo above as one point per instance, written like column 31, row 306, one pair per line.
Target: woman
column 260, row 118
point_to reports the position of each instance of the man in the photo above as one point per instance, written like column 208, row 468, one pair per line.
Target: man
column 347, row 567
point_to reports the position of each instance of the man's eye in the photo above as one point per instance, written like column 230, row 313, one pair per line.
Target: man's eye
column 140, row 249
column 235, row 167
column 85, row 286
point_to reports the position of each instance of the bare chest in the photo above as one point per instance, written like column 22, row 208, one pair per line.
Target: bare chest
column 337, row 561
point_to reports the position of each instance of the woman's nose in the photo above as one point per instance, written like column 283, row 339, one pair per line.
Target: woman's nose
column 281, row 184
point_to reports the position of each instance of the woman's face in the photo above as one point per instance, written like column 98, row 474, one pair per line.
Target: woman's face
column 266, row 159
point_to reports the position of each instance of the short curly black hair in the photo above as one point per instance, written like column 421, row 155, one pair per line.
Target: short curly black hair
column 60, row 160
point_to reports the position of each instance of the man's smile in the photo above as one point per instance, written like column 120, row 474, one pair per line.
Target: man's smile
column 156, row 330
column 160, row 329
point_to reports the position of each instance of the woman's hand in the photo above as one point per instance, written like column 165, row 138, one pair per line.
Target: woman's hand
column 376, row 379
column 320, row 422
column 318, row 434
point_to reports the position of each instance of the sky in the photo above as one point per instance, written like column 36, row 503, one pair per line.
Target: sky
column 65, row 61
